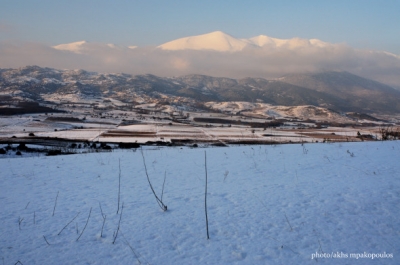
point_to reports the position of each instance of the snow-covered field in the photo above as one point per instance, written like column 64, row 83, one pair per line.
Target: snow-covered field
column 277, row 204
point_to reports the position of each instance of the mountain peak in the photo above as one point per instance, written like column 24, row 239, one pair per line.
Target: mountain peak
column 218, row 33
column 223, row 42
column 217, row 41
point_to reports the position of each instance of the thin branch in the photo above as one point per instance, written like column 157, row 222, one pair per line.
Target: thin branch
column 226, row 174
column 261, row 202
column 46, row 240
column 205, row 193
column 19, row 222
column 69, row 223
column 133, row 251
column 87, row 221
column 119, row 185
column 102, row 214
column 55, row 203
column 291, row 229
column 104, row 221
column 162, row 191
column 27, row 205
column 320, row 247
column 160, row 203
column 119, row 223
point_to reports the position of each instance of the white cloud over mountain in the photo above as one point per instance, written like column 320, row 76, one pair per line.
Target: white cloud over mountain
column 216, row 54
column 76, row 47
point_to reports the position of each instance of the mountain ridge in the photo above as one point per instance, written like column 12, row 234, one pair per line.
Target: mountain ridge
column 213, row 41
column 217, row 41
column 339, row 91
column 223, row 42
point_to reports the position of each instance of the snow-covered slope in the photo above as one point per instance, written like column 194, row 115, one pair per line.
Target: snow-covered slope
column 220, row 41
column 303, row 112
column 217, row 41
column 284, row 204
column 320, row 89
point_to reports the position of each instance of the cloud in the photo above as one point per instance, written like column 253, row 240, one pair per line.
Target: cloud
column 266, row 61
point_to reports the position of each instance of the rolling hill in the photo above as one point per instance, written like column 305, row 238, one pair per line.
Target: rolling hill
column 339, row 91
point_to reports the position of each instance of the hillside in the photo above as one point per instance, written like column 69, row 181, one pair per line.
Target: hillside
column 352, row 90
column 339, row 91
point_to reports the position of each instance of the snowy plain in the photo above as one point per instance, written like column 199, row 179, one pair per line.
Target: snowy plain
column 267, row 204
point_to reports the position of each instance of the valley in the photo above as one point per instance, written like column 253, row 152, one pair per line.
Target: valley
column 50, row 107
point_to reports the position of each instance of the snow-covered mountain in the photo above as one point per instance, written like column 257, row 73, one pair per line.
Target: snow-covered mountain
column 217, row 41
column 217, row 54
column 339, row 91
column 214, row 41
column 220, row 41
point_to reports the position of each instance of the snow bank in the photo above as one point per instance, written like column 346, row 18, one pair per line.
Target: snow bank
column 266, row 205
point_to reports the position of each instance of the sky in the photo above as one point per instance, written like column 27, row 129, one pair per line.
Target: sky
column 362, row 36
column 359, row 23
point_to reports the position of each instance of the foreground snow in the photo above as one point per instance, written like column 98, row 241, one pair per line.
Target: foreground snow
column 278, row 204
